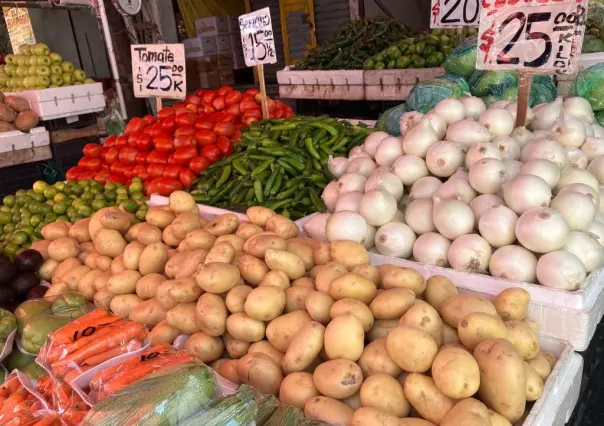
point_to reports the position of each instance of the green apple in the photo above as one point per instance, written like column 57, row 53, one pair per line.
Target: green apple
column 43, row 70
column 4, row 79
column 56, row 79
column 9, row 69
column 15, row 82
column 56, row 69
column 33, row 70
column 25, row 49
column 67, row 79
column 77, row 83
column 33, row 60
column 22, row 60
column 2, row 69
column 56, row 58
column 21, row 72
column 67, row 66
column 9, row 58
column 44, row 60
column 27, row 82
column 41, row 49
column 89, row 81
column 79, row 75
column 42, row 81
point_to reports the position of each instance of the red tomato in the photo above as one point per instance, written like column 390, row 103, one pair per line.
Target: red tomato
column 247, row 97
column 115, row 179
column 252, row 91
column 247, row 105
column 224, row 116
column 182, row 141
column 224, row 128
column 166, row 186
column 141, row 158
column 140, row 170
column 87, row 175
column 290, row 114
column 128, row 155
column 157, row 157
column 121, row 141
column 133, row 138
column 102, row 176
column 203, row 124
column 92, row 150
column 271, row 105
column 211, row 152
column 224, row 90
column 236, row 136
column 111, row 155
column 218, row 103
column 104, row 166
column 183, row 156
column 156, row 170
column 208, row 109
column 92, row 164
column 187, row 119
column 209, row 96
column 199, row 164
column 144, row 143
column 182, row 110
column 225, row 145
column 116, row 168
column 205, row 137
column 172, row 171
column 171, row 160
column 164, row 143
column 154, row 130
column 249, row 120
column 135, row 125
column 234, row 109
column 149, row 120
column 199, row 92
column 165, row 113
column 168, row 125
column 74, row 173
column 129, row 172
column 151, row 187
column 278, row 114
column 192, row 107
column 187, row 177
column 110, row 142
column 194, row 99
column 233, row 97
column 187, row 130
column 257, row 113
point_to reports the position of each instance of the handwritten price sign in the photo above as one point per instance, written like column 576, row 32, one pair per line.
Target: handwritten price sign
column 454, row 13
column 257, row 38
column 538, row 35
column 159, row 70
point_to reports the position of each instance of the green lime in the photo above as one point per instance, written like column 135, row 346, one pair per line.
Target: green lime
column 85, row 211
column 412, row 49
column 99, row 196
column 9, row 227
column 25, row 221
column 36, row 220
column 59, row 197
column 87, row 196
column 50, row 217
column 379, row 66
column 39, row 198
column 20, row 193
column 60, row 186
column 391, row 64
column 77, row 217
column 141, row 214
column 45, row 208
column 77, row 190
column 9, row 200
column 135, row 187
column 29, row 229
column 5, row 218
column 95, row 191
column 110, row 195
column 15, row 210
column 110, row 187
column 39, row 186
column 16, row 218
column 432, row 61
column 368, row 65
column 50, row 193
column 130, row 206
column 137, row 196
column 11, row 249
column 137, row 180
column 26, row 214
column 403, row 62
column 3, row 237
column 428, row 50
column 98, row 204
column 62, row 218
column 121, row 191
column 19, row 237
column 378, row 58
column 34, row 208
column 31, row 193
column 5, row 209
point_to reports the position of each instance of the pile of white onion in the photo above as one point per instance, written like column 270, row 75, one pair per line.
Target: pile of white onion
column 464, row 188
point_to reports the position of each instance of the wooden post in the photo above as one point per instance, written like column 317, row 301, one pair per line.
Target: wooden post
column 260, row 68
column 158, row 104
column 524, row 91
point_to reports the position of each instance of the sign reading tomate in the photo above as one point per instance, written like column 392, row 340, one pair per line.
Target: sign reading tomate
column 531, row 35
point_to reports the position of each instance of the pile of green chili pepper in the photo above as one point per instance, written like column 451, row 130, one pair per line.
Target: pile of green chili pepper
column 280, row 164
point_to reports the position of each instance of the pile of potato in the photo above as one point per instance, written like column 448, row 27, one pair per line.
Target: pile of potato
column 312, row 322
column 15, row 114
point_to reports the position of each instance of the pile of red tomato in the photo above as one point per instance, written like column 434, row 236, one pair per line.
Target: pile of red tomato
column 168, row 151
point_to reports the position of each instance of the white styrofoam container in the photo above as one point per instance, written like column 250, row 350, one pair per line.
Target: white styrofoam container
column 400, row 77
column 288, row 76
column 59, row 102
column 206, row 212
column 16, row 140
column 388, row 93
column 589, row 59
column 332, row 92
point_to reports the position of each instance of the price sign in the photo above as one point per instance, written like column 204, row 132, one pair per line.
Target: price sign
column 159, row 70
column 454, row 13
column 539, row 35
column 257, row 38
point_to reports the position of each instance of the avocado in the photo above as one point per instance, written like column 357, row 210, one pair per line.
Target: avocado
column 29, row 260
column 7, row 295
column 34, row 371
column 19, row 360
column 31, row 309
column 7, row 271
column 24, row 282
column 37, row 292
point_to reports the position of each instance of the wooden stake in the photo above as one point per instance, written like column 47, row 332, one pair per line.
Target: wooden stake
column 260, row 68
column 524, row 91
column 158, row 104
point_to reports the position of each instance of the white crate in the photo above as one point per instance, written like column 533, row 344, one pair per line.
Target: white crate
column 388, row 93
column 333, row 77
column 206, row 212
column 59, row 102
column 302, row 91
column 401, row 77
column 16, row 140
column 589, row 59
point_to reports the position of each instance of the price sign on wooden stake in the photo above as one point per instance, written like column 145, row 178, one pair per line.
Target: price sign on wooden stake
column 159, row 70
column 454, row 13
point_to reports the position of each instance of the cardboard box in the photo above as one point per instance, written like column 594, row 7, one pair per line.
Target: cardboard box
column 239, row 62
column 199, row 47
column 212, row 26
column 236, row 45
column 192, row 74
column 233, row 24
column 223, row 44
column 209, row 80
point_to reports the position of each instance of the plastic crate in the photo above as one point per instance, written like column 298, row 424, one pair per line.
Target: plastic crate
column 73, row 122
column 18, row 177
column 67, row 154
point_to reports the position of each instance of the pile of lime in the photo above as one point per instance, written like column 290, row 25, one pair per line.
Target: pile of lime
column 427, row 50
column 23, row 215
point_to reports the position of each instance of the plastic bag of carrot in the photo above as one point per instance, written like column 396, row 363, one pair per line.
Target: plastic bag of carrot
column 20, row 404
column 69, row 406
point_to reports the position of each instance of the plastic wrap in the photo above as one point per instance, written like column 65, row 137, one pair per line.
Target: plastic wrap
column 426, row 94
column 462, row 61
column 589, row 84
column 493, row 83
column 390, row 120
column 169, row 396
column 90, row 341
column 61, row 398
column 19, row 401
column 8, row 330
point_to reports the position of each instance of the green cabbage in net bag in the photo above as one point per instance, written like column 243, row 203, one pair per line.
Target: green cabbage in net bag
column 458, row 79
column 462, row 60
column 600, row 117
column 592, row 44
column 589, row 84
column 390, row 120
column 426, row 94
column 543, row 89
column 492, row 83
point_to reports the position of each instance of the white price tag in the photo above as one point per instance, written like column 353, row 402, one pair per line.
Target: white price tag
column 454, row 13
column 159, row 70
column 257, row 38
column 544, row 35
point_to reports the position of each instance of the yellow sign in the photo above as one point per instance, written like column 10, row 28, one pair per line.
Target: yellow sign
column 19, row 27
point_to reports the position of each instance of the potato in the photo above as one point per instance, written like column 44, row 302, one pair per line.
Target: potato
column 123, row 283
column 159, row 217
column 41, row 246
column 188, row 268
column 86, row 283
column 260, row 371
column 384, row 392
column 103, row 263
column 467, row 412
column 87, row 247
column 411, row 349
column 541, row 366
column 221, row 252
column 265, row 303
column 150, row 312
column 375, row 360
column 512, row 304
column 47, row 269
column 56, row 289
column 382, row 269
column 79, row 231
column 235, row 348
column 523, row 338
column 297, row 388
column 306, row 282
column 276, row 278
column 116, row 220
column 236, row 297
column 73, row 277
column 132, row 254
column 200, row 239
column 174, row 264
column 478, row 326
column 550, row 357
column 304, row 348
column 392, row 304
column 455, row 373
column 234, row 240
column 146, row 287
column 182, row 317
column 296, row 298
column 95, row 225
column 123, row 304
column 117, row 265
column 265, row 347
column 257, row 245
column 338, row 378
column 502, row 378
column 148, row 234
column 282, row 226
column 355, row 308
column 223, row 224
column 498, row 419
column 424, row 317
column 252, row 269
column 439, row 289
column 318, row 305
column 259, row 216
column 352, row 286
column 303, row 251
column 162, row 295
column 163, row 333
column 227, row 368
column 455, row 308
column 321, row 254
column 185, row 223
column 349, row 253
column 62, row 268
column 534, row 383
column 404, row 278
column 426, row 398
column 102, row 299
column 328, row 410
column 282, row 330
column 353, row 401
column 102, row 281
column 110, row 242
column 247, row 230
column 183, row 246
column 184, row 290
column 168, row 237
column 217, row 278
column 368, row 271
column 211, row 314
column 369, row 416
column 153, row 259
column 326, row 274
column 203, row 347
column 280, row 260
column 244, row 328
column 181, row 201
column 63, row 248
column 381, row 328
column 55, row 230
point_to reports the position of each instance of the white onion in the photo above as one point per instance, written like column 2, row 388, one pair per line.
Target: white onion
column 601, row 207
column 512, row 108
column 418, row 215
column 522, row 135
column 457, row 189
column 330, row 195
column 481, row 150
column 431, row 249
column 599, row 217
column 499, row 104
column 589, row 131
column 350, row 201
column 438, row 124
column 357, row 152
column 461, row 173
column 419, row 138
column 474, row 106
column 470, row 253
column 395, row 239
column 452, row 218
column 369, row 237
column 346, row 226
column 373, row 140
column 512, row 168
column 508, row 147
column 383, row 179
column 574, row 175
column 409, row 169
column 404, row 202
column 577, row 158
column 544, row 149
column 399, row 216
column 468, row 132
column 546, row 115
column 525, row 192
column 593, row 147
column 587, row 248
column 577, row 209
column 497, row 226
column 569, row 131
column 579, row 108
column 388, row 151
column 598, row 130
column 337, row 165
column 450, row 110
column 315, row 226
column 545, row 169
column 424, row 187
column 542, row 230
column 361, row 165
column 482, row 203
column 378, row 207
column 409, row 120
column 596, row 168
column 444, row 158
column 561, row 269
column 499, row 122
column 597, row 230
column 593, row 195
column 542, row 134
column 351, row 182
column 513, row 263
column 487, row 175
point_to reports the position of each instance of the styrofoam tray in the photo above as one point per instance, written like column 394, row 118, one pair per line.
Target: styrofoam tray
column 330, row 77
column 206, row 212
column 330, row 92
column 400, row 77
column 589, row 59
column 16, row 140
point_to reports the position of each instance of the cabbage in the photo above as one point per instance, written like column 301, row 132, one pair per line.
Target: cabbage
column 457, row 79
column 589, row 84
column 592, row 44
column 600, row 117
column 492, row 83
column 543, row 89
column 462, row 60
column 426, row 94
column 390, row 120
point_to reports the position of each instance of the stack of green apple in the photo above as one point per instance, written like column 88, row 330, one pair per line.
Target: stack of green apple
column 24, row 214
column 36, row 67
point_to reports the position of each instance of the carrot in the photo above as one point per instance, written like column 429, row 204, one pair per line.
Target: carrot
column 70, row 375
column 11, row 386
column 111, row 353
column 71, row 332
column 72, row 416
column 47, row 421
column 12, row 401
